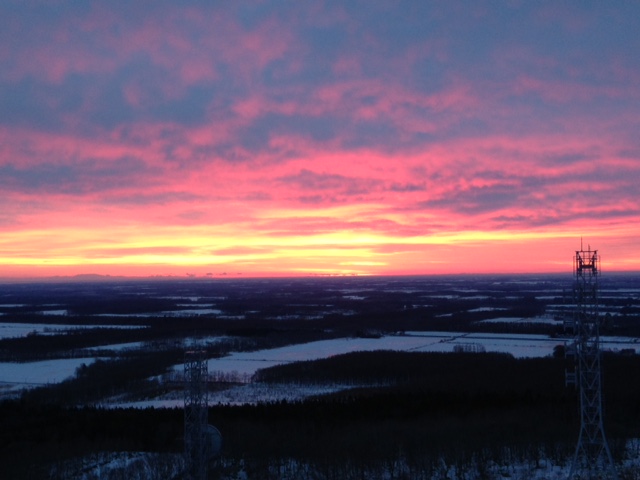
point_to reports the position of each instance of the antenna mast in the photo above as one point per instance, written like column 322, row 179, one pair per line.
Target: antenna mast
column 592, row 458
column 195, row 414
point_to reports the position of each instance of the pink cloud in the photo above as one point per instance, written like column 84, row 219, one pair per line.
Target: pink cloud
column 192, row 133
column 187, row 44
column 568, row 92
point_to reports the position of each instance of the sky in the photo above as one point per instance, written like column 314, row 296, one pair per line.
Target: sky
column 272, row 138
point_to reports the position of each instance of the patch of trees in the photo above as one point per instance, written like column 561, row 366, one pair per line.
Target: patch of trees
column 353, row 438
column 458, row 409
column 161, row 333
column 37, row 346
column 467, row 409
column 36, row 437
column 429, row 371
column 530, row 380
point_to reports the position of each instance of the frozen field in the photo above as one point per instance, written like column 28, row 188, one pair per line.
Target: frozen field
column 517, row 345
column 247, row 363
column 13, row 330
column 15, row 376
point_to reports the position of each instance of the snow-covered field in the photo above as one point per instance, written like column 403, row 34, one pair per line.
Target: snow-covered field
column 116, row 347
column 13, row 330
column 537, row 320
column 188, row 312
column 245, row 364
column 14, row 376
column 18, row 376
column 518, row 345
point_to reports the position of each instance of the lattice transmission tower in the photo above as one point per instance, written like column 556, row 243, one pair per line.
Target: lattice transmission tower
column 195, row 414
column 592, row 458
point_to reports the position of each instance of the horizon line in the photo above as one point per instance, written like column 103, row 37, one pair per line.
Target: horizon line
column 89, row 277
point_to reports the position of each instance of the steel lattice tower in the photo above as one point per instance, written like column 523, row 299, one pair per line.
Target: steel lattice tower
column 592, row 458
column 195, row 414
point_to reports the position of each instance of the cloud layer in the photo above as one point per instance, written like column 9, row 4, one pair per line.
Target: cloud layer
column 280, row 138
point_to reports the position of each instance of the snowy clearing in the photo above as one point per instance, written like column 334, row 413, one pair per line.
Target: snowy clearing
column 18, row 376
column 13, row 330
column 520, row 346
column 538, row 320
column 23, row 375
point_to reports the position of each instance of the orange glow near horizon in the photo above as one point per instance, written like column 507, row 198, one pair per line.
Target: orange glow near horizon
column 234, row 140
column 207, row 252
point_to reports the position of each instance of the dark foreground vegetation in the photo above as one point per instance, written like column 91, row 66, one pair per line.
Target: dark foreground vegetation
column 424, row 409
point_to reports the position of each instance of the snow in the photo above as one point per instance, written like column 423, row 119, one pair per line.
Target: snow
column 193, row 311
column 535, row 466
column 13, row 330
column 521, row 346
column 17, row 376
column 247, row 363
column 545, row 319
column 134, row 465
column 187, row 312
column 192, row 299
column 250, row 393
column 116, row 347
column 486, row 309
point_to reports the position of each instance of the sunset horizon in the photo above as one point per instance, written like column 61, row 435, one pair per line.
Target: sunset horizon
column 334, row 139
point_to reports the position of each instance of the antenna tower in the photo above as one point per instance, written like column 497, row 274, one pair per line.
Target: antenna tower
column 592, row 458
column 195, row 414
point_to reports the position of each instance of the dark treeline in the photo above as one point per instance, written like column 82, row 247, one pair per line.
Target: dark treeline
column 162, row 333
column 35, row 437
column 378, row 428
column 494, row 372
column 468, row 409
column 472, row 378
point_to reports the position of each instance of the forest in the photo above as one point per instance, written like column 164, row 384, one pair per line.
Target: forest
column 464, row 409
